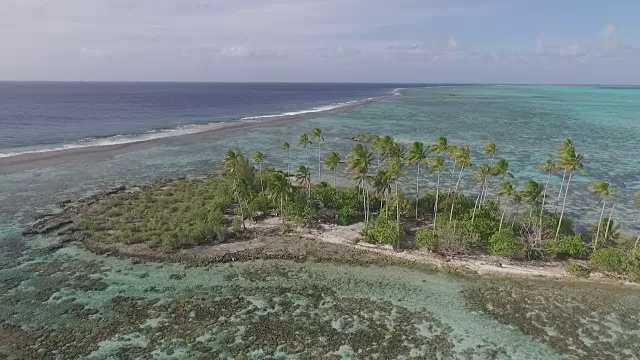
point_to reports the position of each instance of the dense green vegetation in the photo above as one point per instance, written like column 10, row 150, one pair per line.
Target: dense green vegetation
column 495, row 216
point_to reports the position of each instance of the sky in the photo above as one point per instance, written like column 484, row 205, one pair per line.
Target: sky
column 424, row 41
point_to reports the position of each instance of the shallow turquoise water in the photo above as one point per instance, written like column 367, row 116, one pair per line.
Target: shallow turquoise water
column 526, row 122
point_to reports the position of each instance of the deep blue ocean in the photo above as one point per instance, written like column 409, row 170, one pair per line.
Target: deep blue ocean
column 33, row 115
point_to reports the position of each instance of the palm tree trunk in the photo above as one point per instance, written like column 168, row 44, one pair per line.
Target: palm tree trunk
column 237, row 193
column 306, row 150
column 417, row 191
column 606, row 233
column 475, row 206
column 397, row 210
column 504, row 210
column 288, row 163
column 435, row 208
column 335, row 178
column 260, row 172
column 544, row 197
column 564, row 203
column 636, row 244
column 515, row 216
column 564, row 174
column 282, row 207
column 319, row 161
column 453, row 201
column 604, row 202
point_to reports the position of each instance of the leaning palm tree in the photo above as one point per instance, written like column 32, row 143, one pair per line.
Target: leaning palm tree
column 571, row 162
column 416, row 154
column 462, row 158
column 331, row 163
column 490, row 149
column 508, row 191
column 358, row 163
column 316, row 133
column 303, row 177
column 258, row 157
column 603, row 191
column 437, row 165
column 285, row 147
column 304, row 141
column 280, row 189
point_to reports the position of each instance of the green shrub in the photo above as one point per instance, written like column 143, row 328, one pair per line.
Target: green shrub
column 635, row 254
column 427, row 238
column 301, row 210
column 577, row 270
column 467, row 234
column 609, row 260
column 504, row 243
column 568, row 246
column 381, row 231
column 345, row 201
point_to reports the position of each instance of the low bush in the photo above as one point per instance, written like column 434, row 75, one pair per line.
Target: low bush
column 301, row 210
column 577, row 270
column 504, row 243
column 381, row 231
column 567, row 246
column 346, row 202
column 609, row 260
column 428, row 239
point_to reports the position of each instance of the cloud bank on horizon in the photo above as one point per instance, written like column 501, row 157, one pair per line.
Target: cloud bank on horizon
column 504, row 41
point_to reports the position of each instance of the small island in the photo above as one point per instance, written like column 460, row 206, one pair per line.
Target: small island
column 248, row 212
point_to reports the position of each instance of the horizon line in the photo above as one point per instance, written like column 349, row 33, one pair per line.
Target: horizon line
column 308, row 82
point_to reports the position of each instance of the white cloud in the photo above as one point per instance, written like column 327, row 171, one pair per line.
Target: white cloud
column 452, row 44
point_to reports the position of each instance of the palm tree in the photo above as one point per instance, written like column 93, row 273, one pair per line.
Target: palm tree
column 609, row 222
column 359, row 161
column 416, row 154
column 602, row 190
column 238, row 167
column 564, row 147
column 280, row 189
column 500, row 169
column 437, row 165
column 331, row 163
column 304, row 142
column 548, row 167
column 285, row 147
column 381, row 146
column 462, row 158
column 483, row 173
column 258, row 157
column 440, row 146
column 395, row 169
column 531, row 194
column 303, row 177
column 382, row 187
column 490, row 149
column 316, row 133
column 506, row 190
column 571, row 162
